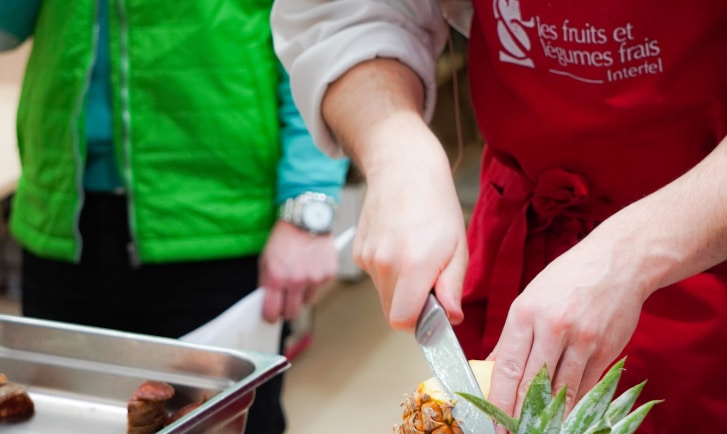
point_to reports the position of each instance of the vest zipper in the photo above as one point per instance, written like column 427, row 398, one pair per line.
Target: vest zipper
column 134, row 259
column 78, row 157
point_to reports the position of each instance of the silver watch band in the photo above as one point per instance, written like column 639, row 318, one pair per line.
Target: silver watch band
column 294, row 211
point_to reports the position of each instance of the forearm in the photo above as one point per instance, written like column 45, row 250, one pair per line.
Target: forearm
column 364, row 103
column 672, row 234
column 375, row 113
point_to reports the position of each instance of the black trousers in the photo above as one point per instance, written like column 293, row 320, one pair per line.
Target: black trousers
column 169, row 300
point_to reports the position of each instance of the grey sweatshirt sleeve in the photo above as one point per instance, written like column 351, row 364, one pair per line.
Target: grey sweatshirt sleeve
column 318, row 41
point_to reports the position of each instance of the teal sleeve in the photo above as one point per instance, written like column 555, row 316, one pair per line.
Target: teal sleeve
column 17, row 19
column 303, row 167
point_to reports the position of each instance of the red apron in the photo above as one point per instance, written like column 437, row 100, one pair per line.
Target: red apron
column 585, row 107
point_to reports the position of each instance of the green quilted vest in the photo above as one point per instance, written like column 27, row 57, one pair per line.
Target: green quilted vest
column 196, row 131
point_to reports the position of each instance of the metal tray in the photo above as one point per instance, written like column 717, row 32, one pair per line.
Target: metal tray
column 80, row 378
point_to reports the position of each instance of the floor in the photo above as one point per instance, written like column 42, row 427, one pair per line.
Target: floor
column 354, row 374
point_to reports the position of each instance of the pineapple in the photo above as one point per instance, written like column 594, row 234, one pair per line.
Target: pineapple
column 428, row 410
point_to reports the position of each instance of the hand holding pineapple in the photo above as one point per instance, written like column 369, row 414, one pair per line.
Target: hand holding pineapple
column 575, row 317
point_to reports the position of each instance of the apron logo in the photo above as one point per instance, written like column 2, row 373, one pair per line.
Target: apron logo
column 583, row 51
column 511, row 31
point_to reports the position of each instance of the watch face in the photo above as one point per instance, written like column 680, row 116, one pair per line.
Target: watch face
column 318, row 216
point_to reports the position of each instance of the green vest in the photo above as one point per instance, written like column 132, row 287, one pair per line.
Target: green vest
column 195, row 125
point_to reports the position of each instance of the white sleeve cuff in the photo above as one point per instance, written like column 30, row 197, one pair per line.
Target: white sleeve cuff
column 326, row 42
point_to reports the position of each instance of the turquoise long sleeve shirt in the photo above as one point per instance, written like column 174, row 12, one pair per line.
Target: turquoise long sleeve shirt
column 303, row 167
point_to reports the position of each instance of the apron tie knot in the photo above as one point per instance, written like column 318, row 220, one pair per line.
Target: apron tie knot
column 556, row 192
column 544, row 215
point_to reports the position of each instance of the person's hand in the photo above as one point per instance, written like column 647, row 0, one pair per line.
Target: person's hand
column 411, row 236
column 576, row 316
column 293, row 265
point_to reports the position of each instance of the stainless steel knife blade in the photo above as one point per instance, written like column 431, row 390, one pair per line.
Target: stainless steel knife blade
column 448, row 363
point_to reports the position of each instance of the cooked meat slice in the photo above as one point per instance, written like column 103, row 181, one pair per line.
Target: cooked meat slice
column 15, row 403
column 156, row 391
column 147, row 408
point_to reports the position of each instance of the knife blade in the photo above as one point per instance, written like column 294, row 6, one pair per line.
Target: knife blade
column 448, row 363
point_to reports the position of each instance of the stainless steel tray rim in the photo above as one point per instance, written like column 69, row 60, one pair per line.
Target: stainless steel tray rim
column 230, row 386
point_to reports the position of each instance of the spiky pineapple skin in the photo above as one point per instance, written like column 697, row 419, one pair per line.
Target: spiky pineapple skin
column 425, row 413
column 428, row 410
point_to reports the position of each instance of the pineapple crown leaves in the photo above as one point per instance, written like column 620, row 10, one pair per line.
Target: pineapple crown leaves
column 595, row 413
column 591, row 408
column 494, row 412
column 628, row 424
column 541, row 413
column 551, row 419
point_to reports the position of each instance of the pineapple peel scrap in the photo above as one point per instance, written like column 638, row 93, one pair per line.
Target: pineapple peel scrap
column 596, row 413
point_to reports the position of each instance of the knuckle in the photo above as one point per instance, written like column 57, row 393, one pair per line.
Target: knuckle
column 511, row 369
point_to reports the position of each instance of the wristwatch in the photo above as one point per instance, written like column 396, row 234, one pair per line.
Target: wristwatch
column 310, row 211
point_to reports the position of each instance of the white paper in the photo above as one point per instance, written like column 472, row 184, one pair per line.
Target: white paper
column 242, row 326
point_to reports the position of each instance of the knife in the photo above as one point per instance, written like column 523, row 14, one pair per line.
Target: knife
column 448, row 363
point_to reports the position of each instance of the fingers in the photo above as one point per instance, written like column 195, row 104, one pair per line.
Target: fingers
column 569, row 373
column 292, row 267
column 405, row 276
column 591, row 375
column 410, row 295
column 285, row 294
column 408, row 292
column 284, row 303
column 293, row 302
column 510, row 356
column 273, row 303
column 380, row 271
column 532, row 339
column 449, row 284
